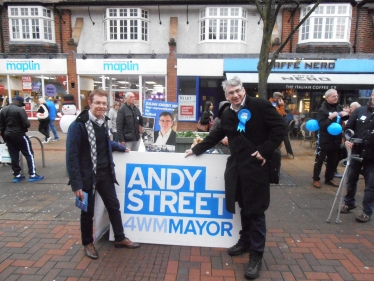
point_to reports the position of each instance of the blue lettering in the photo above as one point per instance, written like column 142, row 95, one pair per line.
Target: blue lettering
column 22, row 66
column 121, row 67
column 159, row 226
column 174, row 227
column 226, row 227
column 216, row 226
column 190, row 228
column 201, row 227
column 144, row 224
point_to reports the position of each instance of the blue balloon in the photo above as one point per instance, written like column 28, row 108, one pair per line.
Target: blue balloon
column 312, row 125
column 334, row 129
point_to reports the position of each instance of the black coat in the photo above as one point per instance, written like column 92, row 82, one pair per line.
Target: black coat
column 363, row 129
column 326, row 140
column 128, row 120
column 244, row 175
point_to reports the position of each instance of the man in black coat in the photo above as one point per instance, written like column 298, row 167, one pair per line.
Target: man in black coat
column 362, row 123
column 129, row 123
column 254, row 130
column 328, row 144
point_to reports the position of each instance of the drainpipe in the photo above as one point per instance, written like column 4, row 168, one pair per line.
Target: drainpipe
column 1, row 28
column 357, row 20
column 60, row 25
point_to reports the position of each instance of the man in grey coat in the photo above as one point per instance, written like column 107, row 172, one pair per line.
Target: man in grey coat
column 254, row 130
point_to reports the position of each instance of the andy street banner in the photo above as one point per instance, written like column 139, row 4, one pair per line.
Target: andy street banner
column 168, row 199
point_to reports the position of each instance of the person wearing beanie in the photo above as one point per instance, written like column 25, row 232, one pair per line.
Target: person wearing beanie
column 13, row 127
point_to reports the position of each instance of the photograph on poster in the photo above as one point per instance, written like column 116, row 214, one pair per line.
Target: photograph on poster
column 160, row 126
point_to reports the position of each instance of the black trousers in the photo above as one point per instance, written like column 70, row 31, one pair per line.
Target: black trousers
column 44, row 128
column 353, row 175
column 253, row 233
column 332, row 155
column 17, row 144
column 105, row 187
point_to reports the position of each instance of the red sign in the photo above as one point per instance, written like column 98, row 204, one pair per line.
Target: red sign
column 1, row 89
column 186, row 110
column 26, row 83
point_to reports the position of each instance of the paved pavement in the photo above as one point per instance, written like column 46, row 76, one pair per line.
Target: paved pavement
column 40, row 236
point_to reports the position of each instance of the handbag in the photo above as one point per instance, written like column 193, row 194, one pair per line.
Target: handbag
column 43, row 116
column 4, row 154
column 201, row 127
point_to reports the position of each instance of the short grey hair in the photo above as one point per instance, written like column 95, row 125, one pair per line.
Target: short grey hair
column 355, row 104
column 330, row 92
column 129, row 93
column 235, row 81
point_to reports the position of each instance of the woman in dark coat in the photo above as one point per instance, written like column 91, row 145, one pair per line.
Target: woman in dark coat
column 207, row 116
column 43, row 118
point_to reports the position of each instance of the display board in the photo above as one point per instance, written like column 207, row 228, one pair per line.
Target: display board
column 168, row 199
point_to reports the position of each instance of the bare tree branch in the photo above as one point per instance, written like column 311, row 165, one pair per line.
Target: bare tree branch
column 276, row 53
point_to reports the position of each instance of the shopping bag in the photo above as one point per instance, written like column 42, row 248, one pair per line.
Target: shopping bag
column 4, row 154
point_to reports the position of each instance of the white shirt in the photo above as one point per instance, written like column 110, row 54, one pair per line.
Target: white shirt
column 162, row 139
column 93, row 118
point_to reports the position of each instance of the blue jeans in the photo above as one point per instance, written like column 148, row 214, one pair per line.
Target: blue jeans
column 353, row 174
column 53, row 128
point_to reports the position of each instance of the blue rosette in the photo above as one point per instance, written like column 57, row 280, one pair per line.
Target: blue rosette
column 243, row 115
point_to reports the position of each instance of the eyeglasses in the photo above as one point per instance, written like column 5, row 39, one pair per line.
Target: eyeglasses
column 166, row 121
column 100, row 103
column 237, row 91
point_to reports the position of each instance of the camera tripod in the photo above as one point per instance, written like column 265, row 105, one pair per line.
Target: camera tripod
column 340, row 191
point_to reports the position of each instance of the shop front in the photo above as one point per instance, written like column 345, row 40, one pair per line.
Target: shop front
column 199, row 81
column 33, row 79
column 304, row 82
column 146, row 78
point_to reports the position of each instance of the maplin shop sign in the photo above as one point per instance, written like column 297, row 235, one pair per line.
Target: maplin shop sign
column 120, row 66
column 22, row 66
column 172, row 199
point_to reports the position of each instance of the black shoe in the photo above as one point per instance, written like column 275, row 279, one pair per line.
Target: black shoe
column 254, row 266
column 346, row 209
column 238, row 249
column 332, row 183
column 91, row 251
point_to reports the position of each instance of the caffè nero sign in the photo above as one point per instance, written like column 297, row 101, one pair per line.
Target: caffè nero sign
column 304, row 65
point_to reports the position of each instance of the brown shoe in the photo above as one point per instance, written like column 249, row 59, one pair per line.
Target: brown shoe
column 317, row 184
column 126, row 243
column 332, row 183
column 91, row 251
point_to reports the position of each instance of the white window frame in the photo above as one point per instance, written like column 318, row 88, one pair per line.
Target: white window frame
column 223, row 24
column 126, row 25
column 31, row 24
column 328, row 23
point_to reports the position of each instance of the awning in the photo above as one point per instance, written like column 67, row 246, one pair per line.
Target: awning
column 310, row 81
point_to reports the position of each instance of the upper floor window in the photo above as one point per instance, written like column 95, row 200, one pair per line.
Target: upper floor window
column 126, row 24
column 34, row 23
column 223, row 24
column 328, row 23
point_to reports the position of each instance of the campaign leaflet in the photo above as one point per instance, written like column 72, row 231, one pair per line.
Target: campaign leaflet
column 82, row 203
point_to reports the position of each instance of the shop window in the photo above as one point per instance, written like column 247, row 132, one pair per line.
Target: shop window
column 31, row 24
column 126, row 24
column 328, row 23
column 223, row 24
